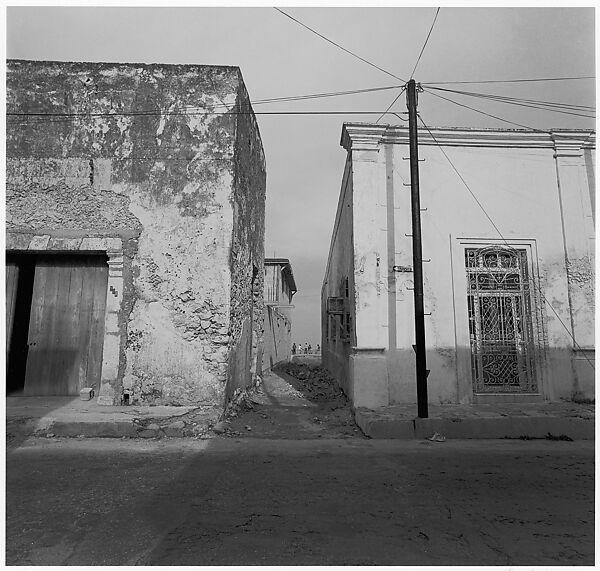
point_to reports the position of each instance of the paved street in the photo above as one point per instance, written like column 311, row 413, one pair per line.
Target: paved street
column 234, row 501
column 290, row 480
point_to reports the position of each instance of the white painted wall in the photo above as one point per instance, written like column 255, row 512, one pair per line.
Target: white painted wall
column 537, row 197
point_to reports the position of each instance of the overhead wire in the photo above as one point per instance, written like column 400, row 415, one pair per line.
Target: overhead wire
column 339, row 46
column 512, row 80
column 327, row 94
column 477, row 93
column 61, row 118
column 487, row 114
column 563, row 108
column 196, row 110
column 414, row 68
column 425, row 44
column 538, row 289
column 391, row 105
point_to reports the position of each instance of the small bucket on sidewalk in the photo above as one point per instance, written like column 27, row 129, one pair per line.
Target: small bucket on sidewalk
column 86, row 393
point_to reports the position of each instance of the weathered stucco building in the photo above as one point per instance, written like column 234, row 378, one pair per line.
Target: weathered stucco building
column 509, row 317
column 135, row 231
column 280, row 287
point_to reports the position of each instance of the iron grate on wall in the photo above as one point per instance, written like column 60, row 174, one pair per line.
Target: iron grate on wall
column 500, row 320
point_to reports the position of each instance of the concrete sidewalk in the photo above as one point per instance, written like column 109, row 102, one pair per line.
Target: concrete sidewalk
column 70, row 416
column 540, row 420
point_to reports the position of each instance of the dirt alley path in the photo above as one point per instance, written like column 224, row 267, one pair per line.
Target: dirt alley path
column 296, row 401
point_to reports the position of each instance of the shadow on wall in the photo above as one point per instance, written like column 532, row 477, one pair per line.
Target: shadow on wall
column 389, row 377
column 277, row 337
column 240, row 375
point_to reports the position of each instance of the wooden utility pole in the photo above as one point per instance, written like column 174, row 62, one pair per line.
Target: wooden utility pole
column 419, row 346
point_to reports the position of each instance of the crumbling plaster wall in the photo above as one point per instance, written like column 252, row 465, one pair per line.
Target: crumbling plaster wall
column 146, row 155
column 247, row 250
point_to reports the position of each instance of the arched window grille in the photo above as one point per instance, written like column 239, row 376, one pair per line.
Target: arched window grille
column 500, row 320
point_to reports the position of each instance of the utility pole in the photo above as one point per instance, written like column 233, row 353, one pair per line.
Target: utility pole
column 419, row 346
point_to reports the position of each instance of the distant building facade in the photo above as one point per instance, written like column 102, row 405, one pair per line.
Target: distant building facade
column 135, row 231
column 279, row 289
column 510, row 317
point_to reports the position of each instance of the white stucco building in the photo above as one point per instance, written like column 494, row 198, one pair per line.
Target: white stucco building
column 509, row 309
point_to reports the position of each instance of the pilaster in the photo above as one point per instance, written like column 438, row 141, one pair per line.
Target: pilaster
column 578, row 237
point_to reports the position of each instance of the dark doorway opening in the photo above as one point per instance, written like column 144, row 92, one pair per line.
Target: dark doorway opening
column 20, row 270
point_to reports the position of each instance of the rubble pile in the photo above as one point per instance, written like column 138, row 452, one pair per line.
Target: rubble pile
column 315, row 383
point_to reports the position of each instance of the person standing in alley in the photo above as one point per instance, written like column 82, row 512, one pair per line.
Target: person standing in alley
column 293, row 348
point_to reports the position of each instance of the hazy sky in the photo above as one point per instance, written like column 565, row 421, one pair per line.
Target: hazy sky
column 280, row 58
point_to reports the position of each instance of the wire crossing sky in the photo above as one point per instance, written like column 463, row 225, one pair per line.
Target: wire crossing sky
column 308, row 70
column 425, row 44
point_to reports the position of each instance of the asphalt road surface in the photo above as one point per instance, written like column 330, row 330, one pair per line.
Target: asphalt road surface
column 336, row 501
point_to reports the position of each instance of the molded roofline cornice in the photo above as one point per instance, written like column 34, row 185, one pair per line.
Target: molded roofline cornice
column 368, row 136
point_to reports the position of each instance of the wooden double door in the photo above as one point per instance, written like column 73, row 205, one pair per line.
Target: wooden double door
column 55, row 311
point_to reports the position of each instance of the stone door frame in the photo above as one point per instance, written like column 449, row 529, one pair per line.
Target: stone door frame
column 465, row 382
column 112, row 247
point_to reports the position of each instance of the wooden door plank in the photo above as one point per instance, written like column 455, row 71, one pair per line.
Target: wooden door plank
column 44, row 292
column 96, row 339
column 12, row 278
column 72, row 358
column 57, row 350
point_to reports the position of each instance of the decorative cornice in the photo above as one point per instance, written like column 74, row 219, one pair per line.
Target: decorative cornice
column 566, row 145
column 362, row 137
column 365, row 136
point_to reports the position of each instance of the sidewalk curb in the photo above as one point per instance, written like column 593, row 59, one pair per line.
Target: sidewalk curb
column 103, row 429
column 53, row 427
column 375, row 425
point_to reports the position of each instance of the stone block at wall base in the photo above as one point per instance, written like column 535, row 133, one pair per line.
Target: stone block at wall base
column 368, row 379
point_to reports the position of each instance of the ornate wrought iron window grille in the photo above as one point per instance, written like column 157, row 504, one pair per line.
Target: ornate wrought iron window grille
column 500, row 320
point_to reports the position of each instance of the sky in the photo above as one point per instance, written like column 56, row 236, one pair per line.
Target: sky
column 278, row 58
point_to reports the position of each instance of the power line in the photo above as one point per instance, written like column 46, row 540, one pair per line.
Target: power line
column 425, row 44
column 129, row 158
column 338, row 46
column 414, row 68
column 320, row 95
column 391, row 104
column 503, row 238
column 563, row 108
column 550, row 103
column 59, row 117
column 511, row 80
column 191, row 110
column 487, row 114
